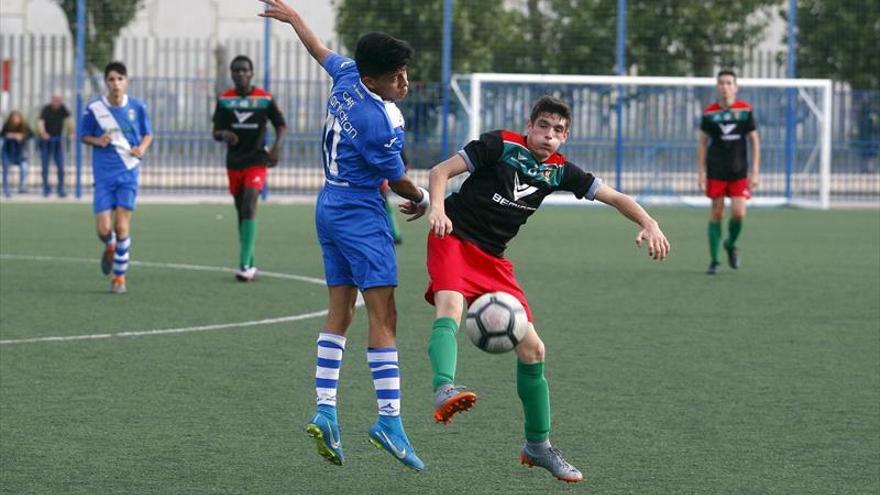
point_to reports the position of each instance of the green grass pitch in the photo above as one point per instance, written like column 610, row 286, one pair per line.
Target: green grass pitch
column 663, row 380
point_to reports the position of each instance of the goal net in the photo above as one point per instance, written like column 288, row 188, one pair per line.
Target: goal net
column 639, row 134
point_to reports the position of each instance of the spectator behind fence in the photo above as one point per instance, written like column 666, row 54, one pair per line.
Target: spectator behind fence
column 16, row 133
column 50, row 127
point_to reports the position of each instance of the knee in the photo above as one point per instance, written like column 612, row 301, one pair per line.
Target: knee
column 448, row 304
column 531, row 351
column 449, row 309
column 739, row 215
column 249, row 204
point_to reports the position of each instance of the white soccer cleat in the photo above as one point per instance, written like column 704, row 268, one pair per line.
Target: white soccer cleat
column 551, row 459
column 246, row 274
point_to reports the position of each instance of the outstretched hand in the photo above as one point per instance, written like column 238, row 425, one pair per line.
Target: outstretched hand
column 413, row 209
column 278, row 10
column 658, row 246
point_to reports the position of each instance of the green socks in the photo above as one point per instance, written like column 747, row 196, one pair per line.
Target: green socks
column 533, row 391
column 443, row 351
column 247, row 231
column 734, row 227
column 714, row 240
column 395, row 227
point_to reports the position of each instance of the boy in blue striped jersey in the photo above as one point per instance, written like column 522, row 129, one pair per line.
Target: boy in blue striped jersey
column 362, row 141
column 119, row 130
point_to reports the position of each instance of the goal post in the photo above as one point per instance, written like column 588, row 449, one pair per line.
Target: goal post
column 640, row 133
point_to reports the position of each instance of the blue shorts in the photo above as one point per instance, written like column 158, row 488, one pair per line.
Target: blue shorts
column 355, row 237
column 117, row 190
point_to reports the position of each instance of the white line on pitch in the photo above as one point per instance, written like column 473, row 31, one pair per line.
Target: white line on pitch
column 166, row 331
column 180, row 266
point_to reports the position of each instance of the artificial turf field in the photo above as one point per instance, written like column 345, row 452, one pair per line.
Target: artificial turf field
column 663, row 380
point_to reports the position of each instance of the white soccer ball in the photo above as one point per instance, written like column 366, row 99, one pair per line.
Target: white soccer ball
column 496, row 322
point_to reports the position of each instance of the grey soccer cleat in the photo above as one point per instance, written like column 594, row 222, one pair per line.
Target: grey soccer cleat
column 713, row 268
column 551, row 460
column 732, row 256
column 449, row 400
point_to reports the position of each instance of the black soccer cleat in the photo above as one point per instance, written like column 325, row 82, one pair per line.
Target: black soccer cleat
column 732, row 256
column 713, row 268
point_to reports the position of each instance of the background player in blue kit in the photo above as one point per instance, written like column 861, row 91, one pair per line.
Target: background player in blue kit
column 118, row 128
column 362, row 141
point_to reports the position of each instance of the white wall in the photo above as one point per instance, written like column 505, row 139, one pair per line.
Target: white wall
column 173, row 18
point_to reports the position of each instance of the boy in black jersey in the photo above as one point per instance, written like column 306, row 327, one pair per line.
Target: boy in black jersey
column 511, row 174
column 240, row 120
column 723, row 166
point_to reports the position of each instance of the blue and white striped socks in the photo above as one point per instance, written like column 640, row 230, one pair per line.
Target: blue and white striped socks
column 383, row 366
column 120, row 259
column 386, row 379
column 330, row 349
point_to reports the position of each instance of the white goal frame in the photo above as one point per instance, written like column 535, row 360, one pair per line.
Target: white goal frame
column 474, row 103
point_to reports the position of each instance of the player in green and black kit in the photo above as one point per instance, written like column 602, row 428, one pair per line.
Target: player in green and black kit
column 510, row 175
column 240, row 121
column 723, row 164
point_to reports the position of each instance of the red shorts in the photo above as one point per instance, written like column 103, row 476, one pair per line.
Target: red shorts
column 458, row 265
column 252, row 177
column 716, row 188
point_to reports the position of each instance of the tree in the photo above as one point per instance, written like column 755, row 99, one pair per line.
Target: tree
column 665, row 37
column 676, row 38
column 104, row 21
column 483, row 32
column 838, row 39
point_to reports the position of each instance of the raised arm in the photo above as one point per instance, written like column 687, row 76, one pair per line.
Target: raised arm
column 278, row 10
column 658, row 246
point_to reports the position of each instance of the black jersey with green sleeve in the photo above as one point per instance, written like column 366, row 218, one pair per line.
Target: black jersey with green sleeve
column 727, row 128
column 247, row 116
column 507, row 184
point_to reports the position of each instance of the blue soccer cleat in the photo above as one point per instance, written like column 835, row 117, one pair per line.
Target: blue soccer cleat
column 390, row 437
column 325, row 431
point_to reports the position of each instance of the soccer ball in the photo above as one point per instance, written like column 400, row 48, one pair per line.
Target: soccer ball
column 496, row 322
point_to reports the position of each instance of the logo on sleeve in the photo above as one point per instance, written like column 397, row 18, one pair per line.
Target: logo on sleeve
column 391, row 143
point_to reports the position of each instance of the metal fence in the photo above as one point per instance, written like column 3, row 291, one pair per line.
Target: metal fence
column 179, row 79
